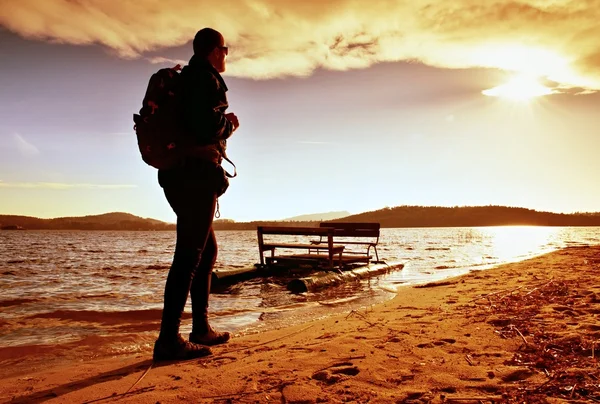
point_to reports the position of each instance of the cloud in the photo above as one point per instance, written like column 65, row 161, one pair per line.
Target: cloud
column 24, row 147
column 558, row 39
column 162, row 60
column 61, row 186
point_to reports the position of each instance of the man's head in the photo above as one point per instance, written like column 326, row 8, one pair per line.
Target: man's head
column 210, row 45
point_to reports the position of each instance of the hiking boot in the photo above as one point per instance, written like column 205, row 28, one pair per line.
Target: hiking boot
column 211, row 337
column 178, row 349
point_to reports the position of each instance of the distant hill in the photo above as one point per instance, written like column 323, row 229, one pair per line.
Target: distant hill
column 468, row 216
column 107, row 221
column 318, row 216
column 400, row 216
column 436, row 216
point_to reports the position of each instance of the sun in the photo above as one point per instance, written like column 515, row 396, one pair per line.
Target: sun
column 520, row 88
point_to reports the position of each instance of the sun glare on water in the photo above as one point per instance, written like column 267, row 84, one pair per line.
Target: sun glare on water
column 520, row 88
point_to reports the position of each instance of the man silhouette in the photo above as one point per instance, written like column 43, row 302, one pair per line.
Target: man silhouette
column 192, row 189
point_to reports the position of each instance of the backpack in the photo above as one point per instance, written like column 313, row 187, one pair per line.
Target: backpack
column 161, row 138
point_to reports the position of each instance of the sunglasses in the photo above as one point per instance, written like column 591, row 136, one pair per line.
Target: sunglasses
column 224, row 48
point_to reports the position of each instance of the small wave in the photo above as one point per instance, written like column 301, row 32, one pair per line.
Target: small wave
column 443, row 267
column 115, row 276
column 482, row 264
column 10, row 273
column 92, row 296
column 15, row 302
column 389, row 288
column 142, row 251
column 576, row 243
column 338, row 301
column 16, row 261
column 104, row 317
column 233, row 312
column 437, row 249
column 158, row 267
column 241, row 265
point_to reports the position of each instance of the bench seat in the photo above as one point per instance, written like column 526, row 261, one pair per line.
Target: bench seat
column 336, row 248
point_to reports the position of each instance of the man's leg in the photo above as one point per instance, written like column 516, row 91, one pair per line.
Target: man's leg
column 202, row 332
column 194, row 209
column 200, row 290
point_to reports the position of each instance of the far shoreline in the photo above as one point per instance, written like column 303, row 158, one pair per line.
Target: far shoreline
column 405, row 216
column 311, row 225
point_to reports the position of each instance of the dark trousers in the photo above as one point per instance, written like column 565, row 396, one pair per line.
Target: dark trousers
column 194, row 258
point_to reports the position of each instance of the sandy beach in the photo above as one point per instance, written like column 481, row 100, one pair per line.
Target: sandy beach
column 521, row 332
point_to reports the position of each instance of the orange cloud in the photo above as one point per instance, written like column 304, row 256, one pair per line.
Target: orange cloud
column 271, row 38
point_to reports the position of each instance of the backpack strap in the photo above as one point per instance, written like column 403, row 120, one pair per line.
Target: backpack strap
column 230, row 162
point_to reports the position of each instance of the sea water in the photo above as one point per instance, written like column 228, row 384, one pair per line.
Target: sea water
column 101, row 291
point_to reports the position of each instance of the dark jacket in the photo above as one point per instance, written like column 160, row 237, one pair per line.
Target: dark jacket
column 204, row 102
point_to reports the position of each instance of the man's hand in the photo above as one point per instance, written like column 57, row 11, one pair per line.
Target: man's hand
column 233, row 119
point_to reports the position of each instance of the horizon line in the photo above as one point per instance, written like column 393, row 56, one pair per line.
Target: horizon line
column 318, row 213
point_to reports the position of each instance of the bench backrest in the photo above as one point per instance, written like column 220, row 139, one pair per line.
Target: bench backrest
column 293, row 231
column 344, row 229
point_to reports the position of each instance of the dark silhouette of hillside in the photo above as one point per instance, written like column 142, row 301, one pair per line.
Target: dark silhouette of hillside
column 107, row 221
column 325, row 216
column 231, row 225
column 400, row 216
column 436, row 216
column 471, row 216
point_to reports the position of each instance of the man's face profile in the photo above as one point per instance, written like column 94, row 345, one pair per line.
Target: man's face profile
column 218, row 57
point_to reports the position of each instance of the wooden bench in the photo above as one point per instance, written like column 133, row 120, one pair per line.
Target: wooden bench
column 313, row 254
column 329, row 248
column 358, row 234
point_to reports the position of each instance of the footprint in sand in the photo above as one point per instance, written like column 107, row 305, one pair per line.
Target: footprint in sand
column 416, row 397
column 517, row 375
column 348, row 371
column 590, row 297
column 336, row 373
column 327, row 335
column 300, row 349
column 590, row 327
column 441, row 342
column 489, row 389
column 444, row 341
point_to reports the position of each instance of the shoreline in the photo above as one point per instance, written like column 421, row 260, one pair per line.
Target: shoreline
column 492, row 335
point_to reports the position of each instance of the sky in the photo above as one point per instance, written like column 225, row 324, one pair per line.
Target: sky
column 344, row 105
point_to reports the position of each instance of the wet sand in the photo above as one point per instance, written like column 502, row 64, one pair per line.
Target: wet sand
column 521, row 332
